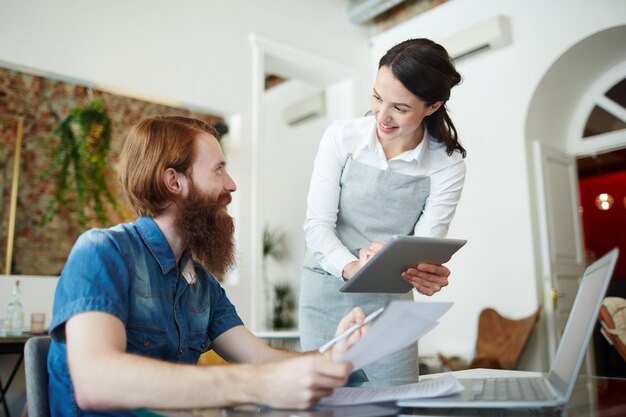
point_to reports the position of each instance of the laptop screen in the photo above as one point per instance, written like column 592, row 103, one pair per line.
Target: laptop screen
column 580, row 324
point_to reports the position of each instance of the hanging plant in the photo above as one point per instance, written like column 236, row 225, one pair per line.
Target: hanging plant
column 81, row 165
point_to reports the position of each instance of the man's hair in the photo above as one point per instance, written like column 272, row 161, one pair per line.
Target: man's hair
column 153, row 145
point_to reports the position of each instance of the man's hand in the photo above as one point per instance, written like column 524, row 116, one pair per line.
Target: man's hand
column 427, row 278
column 300, row 382
column 356, row 316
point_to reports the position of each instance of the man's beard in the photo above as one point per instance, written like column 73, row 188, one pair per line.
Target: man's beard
column 206, row 229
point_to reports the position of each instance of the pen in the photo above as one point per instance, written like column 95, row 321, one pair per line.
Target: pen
column 350, row 330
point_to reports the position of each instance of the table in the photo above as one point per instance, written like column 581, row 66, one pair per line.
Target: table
column 281, row 339
column 11, row 345
column 592, row 397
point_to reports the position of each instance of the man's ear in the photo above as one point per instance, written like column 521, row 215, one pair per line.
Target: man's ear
column 174, row 181
column 434, row 107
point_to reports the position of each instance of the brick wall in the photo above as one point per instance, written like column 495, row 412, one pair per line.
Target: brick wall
column 43, row 103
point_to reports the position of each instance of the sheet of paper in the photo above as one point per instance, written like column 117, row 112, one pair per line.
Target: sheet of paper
column 436, row 387
column 402, row 323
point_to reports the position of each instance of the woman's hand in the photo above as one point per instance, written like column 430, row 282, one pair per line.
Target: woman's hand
column 427, row 278
column 365, row 254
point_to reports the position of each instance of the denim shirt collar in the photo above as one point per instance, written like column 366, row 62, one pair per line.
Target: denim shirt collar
column 156, row 243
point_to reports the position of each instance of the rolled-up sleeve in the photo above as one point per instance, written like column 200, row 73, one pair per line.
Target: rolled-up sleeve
column 223, row 313
column 94, row 278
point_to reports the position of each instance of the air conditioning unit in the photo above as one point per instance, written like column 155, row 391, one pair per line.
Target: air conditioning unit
column 307, row 109
column 490, row 34
column 362, row 11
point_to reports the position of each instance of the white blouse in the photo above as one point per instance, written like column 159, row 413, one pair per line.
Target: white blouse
column 357, row 137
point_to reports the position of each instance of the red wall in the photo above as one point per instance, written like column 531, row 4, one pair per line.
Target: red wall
column 605, row 229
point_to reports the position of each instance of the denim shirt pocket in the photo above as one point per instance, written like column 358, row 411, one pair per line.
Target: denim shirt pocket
column 146, row 340
column 199, row 343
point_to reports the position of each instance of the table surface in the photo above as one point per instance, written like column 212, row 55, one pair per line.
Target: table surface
column 278, row 334
column 593, row 396
column 10, row 345
column 15, row 339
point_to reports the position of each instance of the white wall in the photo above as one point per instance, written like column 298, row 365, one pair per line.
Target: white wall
column 286, row 163
column 37, row 295
column 499, row 265
column 191, row 51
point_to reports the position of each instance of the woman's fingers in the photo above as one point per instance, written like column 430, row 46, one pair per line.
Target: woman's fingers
column 428, row 279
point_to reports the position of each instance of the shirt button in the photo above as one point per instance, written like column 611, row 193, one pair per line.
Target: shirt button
column 181, row 351
column 146, row 342
column 176, row 306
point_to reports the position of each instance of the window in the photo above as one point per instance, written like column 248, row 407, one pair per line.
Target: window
column 609, row 112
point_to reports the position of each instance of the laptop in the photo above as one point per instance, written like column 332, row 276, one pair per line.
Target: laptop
column 545, row 391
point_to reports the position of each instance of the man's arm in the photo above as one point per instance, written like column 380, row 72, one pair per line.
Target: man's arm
column 240, row 345
column 104, row 376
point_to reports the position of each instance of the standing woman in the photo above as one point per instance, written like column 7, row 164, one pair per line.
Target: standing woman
column 398, row 171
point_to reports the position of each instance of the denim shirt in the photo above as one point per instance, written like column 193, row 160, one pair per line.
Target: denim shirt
column 129, row 271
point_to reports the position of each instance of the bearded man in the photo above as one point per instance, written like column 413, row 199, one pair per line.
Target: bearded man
column 136, row 304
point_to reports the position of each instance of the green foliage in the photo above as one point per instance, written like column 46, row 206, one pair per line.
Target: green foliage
column 274, row 244
column 284, row 305
column 81, row 165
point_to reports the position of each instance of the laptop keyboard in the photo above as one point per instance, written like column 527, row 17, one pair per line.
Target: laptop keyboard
column 507, row 389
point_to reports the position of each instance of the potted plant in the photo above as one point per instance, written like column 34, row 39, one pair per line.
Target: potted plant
column 274, row 246
column 284, row 306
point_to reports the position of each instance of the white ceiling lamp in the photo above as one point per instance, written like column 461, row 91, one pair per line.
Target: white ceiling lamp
column 604, row 201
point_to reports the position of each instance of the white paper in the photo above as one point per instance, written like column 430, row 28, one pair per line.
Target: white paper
column 402, row 323
column 430, row 388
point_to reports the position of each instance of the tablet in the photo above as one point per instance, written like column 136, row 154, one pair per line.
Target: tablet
column 383, row 272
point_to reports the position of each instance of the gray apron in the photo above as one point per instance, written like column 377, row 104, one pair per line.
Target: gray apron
column 374, row 205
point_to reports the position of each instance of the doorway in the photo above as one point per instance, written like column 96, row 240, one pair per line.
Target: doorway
column 562, row 129
column 602, row 186
column 282, row 152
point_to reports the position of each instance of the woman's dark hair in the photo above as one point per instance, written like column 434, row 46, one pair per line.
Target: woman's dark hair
column 426, row 70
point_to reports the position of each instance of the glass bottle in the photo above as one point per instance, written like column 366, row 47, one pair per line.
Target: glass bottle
column 15, row 313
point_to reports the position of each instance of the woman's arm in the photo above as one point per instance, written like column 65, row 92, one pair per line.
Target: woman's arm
column 446, row 186
column 323, row 205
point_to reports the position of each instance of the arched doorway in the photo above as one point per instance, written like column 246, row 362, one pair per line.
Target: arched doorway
column 558, row 113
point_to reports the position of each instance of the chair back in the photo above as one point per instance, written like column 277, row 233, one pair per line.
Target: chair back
column 501, row 340
column 613, row 323
column 36, row 364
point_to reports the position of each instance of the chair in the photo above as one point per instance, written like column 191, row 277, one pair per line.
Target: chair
column 211, row 358
column 36, row 365
column 500, row 341
column 613, row 321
